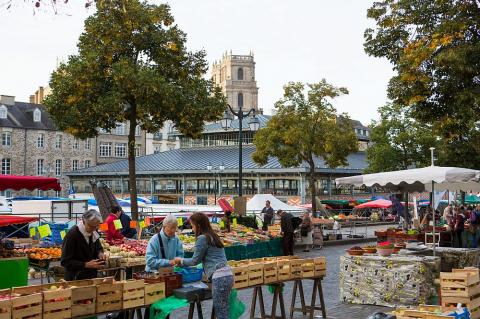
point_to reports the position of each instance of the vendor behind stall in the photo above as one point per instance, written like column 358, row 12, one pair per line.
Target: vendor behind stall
column 127, row 231
column 164, row 247
column 113, row 233
column 82, row 253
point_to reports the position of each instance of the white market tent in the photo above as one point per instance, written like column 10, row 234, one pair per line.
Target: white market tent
column 257, row 203
column 418, row 179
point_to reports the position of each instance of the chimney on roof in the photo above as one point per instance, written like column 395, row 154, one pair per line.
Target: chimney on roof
column 32, row 98
column 7, row 100
column 40, row 95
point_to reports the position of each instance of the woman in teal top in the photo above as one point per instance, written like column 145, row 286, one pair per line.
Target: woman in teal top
column 210, row 252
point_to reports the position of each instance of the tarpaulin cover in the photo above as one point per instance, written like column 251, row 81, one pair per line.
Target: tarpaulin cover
column 6, row 220
column 28, row 182
column 379, row 203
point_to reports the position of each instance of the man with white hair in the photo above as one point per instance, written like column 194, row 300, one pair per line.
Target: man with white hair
column 165, row 246
column 82, row 252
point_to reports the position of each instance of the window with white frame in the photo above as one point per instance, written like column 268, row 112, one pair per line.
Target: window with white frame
column 157, row 149
column 87, row 163
column 120, row 129
column 137, row 150
column 40, row 166
column 58, row 141
column 3, row 112
column 39, row 193
column 75, row 144
column 40, row 140
column 6, row 138
column 88, row 144
column 121, row 150
column 37, row 115
column 6, row 193
column 137, row 130
column 105, row 149
column 103, row 131
column 58, row 167
column 6, row 166
column 74, row 165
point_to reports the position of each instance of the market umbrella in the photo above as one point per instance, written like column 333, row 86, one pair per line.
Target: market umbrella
column 418, row 179
column 379, row 203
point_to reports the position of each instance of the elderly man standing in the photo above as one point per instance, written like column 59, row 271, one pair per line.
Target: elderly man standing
column 82, row 252
column 164, row 247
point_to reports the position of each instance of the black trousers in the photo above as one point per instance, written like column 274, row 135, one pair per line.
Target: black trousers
column 287, row 244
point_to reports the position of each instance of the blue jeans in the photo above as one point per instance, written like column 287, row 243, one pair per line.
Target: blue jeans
column 221, row 288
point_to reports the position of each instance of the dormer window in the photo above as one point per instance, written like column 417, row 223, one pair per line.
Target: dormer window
column 37, row 115
column 3, row 112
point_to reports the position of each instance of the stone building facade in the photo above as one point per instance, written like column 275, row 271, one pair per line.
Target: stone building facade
column 30, row 144
column 235, row 74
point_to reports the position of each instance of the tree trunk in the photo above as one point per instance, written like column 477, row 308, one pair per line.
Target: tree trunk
column 313, row 188
column 131, row 162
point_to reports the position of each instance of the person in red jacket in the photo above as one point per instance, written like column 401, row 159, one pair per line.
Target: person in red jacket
column 112, row 233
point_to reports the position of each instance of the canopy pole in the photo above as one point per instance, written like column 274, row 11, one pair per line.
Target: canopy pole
column 433, row 216
column 406, row 215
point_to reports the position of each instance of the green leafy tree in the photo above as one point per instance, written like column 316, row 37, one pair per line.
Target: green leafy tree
column 132, row 66
column 307, row 126
column 434, row 45
column 398, row 141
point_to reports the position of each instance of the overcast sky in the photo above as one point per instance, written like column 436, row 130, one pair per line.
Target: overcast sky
column 304, row 40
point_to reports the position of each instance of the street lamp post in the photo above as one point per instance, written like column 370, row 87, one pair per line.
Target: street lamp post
column 216, row 171
column 254, row 125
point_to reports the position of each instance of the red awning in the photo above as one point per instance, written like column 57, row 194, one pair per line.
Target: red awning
column 6, row 220
column 379, row 203
column 28, row 182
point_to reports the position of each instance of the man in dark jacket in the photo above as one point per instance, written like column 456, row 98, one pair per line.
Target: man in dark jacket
column 268, row 213
column 127, row 231
column 82, row 252
column 287, row 229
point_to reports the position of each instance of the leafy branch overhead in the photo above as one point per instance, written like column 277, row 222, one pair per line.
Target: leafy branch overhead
column 307, row 126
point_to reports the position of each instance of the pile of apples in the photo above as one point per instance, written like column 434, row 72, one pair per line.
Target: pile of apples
column 139, row 247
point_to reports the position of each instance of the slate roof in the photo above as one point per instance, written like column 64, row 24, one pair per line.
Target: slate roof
column 20, row 115
column 195, row 160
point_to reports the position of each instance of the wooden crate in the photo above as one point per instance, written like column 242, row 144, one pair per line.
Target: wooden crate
column 5, row 305
column 240, row 275
column 133, row 293
column 460, row 283
column 28, row 304
column 296, row 268
column 417, row 313
column 308, row 268
column 469, row 302
column 57, row 304
column 154, row 292
column 320, row 264
column 109, row 296
column 270, row 273
column 255, row 274
column 84, row 297
column 474, row 313
column 284, row 272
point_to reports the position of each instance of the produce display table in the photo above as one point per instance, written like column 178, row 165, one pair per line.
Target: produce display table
column 387, row 281
column 270, row 248
column 451, row 258
column 14, row 272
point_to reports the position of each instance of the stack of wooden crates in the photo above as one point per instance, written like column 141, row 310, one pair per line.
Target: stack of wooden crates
column 461, row 286
column 267, row 270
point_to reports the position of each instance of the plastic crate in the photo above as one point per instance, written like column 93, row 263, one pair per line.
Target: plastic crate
column 190, row 274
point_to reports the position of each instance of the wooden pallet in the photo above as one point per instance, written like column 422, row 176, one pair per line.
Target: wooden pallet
column 154, row 292
column 270, row 273
column 84, row 297
column 109, row 297
column 255, row 274
column 133, row 293
column 5, row 305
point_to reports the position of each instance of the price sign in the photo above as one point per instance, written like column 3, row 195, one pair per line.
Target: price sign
column 32, row 232
column 180, row 221
column 62, row 234
column 142, row 224
column 117, row 223
column 133, row 224
column 103, row 227
column 147, row 221
column 44, row 230
column 222, row 224
column 234, row 223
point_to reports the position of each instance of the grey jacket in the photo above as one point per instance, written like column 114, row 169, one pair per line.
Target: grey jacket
column 213, row 258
